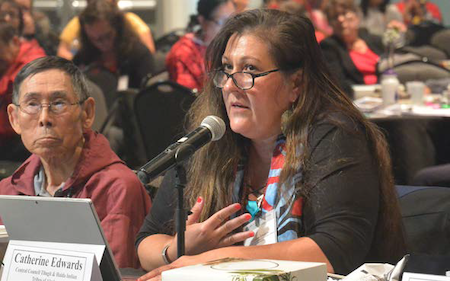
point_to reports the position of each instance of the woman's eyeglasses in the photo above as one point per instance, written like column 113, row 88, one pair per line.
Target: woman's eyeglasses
column 242, row 80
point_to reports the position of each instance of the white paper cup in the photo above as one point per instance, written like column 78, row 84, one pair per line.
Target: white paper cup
column 416, row 89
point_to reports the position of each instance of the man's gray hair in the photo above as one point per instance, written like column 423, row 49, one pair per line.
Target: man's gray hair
column 79, row 84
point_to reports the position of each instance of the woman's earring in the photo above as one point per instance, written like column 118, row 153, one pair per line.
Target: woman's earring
column 285, row 118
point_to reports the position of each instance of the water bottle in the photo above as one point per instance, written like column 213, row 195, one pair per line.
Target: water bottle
column 389, row 87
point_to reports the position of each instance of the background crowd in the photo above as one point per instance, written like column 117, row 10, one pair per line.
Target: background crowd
column 282, row 80
column 117, row 51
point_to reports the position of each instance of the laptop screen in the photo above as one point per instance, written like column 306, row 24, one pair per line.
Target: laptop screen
column 56, row 219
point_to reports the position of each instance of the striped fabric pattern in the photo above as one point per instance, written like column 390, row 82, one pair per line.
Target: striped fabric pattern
column 288, row 207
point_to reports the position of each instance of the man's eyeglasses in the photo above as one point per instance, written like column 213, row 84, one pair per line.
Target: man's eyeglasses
column 55, row 107
column 242, row 80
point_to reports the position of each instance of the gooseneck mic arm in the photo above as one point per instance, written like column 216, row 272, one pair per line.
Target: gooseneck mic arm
column 180, row 212
column 212, row 128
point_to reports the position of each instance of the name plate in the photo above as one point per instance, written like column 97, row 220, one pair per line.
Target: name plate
column 408, row 276
column 33, row 263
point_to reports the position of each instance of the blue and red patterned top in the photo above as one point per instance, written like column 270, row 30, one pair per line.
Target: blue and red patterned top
column 283, row 199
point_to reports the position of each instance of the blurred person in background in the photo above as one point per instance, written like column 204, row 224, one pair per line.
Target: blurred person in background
column 272, row 4
column 240, row 5
column 417, row 11
column 317, row 17
column 14, row 54
column 37, row 25
column 353, row 54
column 185, row 61
column 422, row 18
column 12, row 13
column 108, row 42
column 298, row 8
column 376, row 15
column 70, row 36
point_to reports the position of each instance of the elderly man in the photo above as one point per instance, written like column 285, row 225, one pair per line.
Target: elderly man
column 52, row 112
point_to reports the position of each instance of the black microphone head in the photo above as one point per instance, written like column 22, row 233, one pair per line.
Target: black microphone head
column 215, row 125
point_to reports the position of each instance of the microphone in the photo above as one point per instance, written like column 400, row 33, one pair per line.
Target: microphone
column 212, row 128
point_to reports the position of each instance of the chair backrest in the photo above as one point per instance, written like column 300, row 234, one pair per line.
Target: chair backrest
column 166, row 41
column 421, row 34
column 159, row 62
column 420, row 71
column 122, row 132
column 441, row 40
column 101, row 110
column 427, row 51
column 160, row 111
column 426, row 218
column 7, row 168
column 107, row 82
column 163, row 76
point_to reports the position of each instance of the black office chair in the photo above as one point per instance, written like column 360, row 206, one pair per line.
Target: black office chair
column 421, row 34
column 121, row 129
column 161, row 77
column 429, row 52
column 166, row 41
column 426, row 218
column 441, row 40
column 106, row 81
column 420, row 71
column 160, row 112
column 101, row 109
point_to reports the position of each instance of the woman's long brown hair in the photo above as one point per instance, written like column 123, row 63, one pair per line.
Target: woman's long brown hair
column 293, row 46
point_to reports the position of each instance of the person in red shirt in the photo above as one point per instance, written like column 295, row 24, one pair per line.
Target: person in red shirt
column 185, row 61
column 416, row 11
column 352, row 53
column 12, row 13
column 14, row 54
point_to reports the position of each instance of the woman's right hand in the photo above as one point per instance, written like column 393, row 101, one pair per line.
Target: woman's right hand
column 215, row 232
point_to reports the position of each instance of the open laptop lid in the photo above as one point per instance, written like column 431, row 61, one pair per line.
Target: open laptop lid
column 56, row 219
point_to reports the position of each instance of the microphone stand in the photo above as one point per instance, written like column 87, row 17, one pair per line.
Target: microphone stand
column 180, row 213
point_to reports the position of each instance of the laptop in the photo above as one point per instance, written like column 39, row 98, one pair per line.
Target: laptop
column 57, row 219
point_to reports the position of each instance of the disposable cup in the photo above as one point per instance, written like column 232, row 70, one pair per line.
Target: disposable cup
column 416, row 89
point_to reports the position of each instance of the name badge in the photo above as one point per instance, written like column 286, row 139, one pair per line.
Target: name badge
column 122, row 84
column 28, row 263
column 265, row 229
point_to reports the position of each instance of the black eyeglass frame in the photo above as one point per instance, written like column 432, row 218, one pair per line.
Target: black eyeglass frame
column 234, row 80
